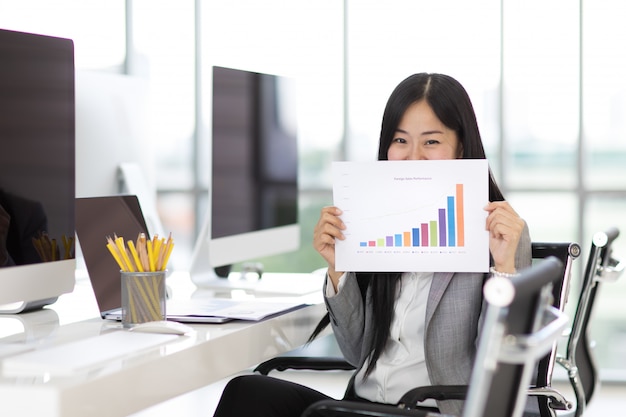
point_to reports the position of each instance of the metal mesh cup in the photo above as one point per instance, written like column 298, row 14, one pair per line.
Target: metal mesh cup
column 143, row 297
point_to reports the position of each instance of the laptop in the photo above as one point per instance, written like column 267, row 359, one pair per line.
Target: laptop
column 99, row 217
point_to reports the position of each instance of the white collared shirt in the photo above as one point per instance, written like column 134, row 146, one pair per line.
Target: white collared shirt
column 402, row 365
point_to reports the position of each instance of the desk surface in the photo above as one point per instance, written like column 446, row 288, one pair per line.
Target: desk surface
column 125, row 385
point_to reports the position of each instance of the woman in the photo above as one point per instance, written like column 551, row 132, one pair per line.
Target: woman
column 410, row 329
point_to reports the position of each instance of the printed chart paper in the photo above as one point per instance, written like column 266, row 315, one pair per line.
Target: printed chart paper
column 412, row 216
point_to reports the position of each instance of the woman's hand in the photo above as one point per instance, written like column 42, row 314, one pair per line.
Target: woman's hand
column 328, row 228
column 505, row 229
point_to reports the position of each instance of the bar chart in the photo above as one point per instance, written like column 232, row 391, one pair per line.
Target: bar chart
column 412, row 215
column 447, row 230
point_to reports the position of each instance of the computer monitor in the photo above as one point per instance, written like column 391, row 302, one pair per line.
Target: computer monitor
column 253, row 195
column 37, row 146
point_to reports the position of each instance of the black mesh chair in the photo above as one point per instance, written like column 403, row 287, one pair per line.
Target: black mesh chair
column 579, row 361
column 547, row 397
column 520, row 327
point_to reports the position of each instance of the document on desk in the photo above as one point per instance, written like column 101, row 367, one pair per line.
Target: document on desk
column 247, row 309
column 412, row 216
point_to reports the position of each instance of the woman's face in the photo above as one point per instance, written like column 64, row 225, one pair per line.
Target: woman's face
column 421, row 135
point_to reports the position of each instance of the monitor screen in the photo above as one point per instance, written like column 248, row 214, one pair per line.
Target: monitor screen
column 36, row 170
column 253, row 210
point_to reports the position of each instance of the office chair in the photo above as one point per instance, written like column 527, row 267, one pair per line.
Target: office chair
column 579, row 361
column 548, row 398
column 520, row 326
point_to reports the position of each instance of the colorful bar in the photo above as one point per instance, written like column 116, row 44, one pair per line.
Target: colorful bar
column 442, row 227
column 460, row 221
column 380, row 242
column 433, row 233
column 416, row 236
column 389, row 241
column 371, row 243
column 362, row 244
column 424, row 228
column 407, row 239
column 451, row 222
column 398, row 239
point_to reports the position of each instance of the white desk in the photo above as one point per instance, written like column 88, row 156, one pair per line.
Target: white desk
column 129, row 384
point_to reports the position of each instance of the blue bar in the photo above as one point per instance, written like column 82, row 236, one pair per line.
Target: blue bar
column 451, row 222
column 398, row 239
column 416, row 236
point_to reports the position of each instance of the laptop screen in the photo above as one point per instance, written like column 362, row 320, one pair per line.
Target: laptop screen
column 97, row 218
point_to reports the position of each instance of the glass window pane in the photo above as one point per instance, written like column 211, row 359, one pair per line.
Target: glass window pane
column 604, row 93
column 177, row 213
column 550, row 216
column 97, row 27
column 163, row 52
column 541, row 94
column 389, row 41
column 283, row 37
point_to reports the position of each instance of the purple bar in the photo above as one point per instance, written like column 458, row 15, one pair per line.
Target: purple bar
column 442, row 227
column 389, row 241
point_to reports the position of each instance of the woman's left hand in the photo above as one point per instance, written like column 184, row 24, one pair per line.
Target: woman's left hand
column 505, row 229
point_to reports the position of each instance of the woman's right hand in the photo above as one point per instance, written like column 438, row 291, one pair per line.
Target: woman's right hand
column 328, row 228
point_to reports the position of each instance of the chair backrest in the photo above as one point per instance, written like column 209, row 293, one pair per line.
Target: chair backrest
column 579, row 357
column 566, row 252
column 515, row 334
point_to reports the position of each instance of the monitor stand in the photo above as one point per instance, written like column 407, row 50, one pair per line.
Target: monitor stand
column 26, row 306
column 252, row 279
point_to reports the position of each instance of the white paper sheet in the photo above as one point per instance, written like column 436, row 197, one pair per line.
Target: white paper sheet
column 404, row 216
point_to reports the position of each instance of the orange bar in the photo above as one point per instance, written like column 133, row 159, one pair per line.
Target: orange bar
column 460, row 221
column 407, row 239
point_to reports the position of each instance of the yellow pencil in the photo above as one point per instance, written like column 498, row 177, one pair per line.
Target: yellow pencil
column 168, row 251
column 116, row 256
column 135, row 255
column 119, row 241
column 151, row 255
column 143, row 251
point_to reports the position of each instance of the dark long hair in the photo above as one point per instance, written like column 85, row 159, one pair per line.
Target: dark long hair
column 452, row 105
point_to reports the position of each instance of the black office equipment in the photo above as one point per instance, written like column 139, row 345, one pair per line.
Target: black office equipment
column 37, row 185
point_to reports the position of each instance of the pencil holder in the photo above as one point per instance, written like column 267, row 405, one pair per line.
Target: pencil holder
column 143, row 297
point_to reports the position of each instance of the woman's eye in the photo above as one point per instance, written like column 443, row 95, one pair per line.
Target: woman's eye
column 431, row 142
column 399, row 140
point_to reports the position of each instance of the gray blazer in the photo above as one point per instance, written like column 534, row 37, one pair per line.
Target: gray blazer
column 451, row 329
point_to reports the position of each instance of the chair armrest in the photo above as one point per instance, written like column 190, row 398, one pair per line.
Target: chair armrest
column 320, row 363
column 557, row 401
column 436, row 392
